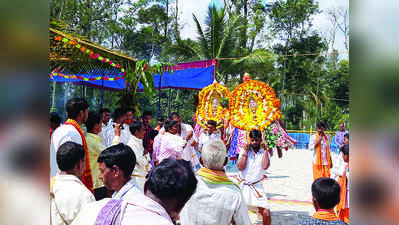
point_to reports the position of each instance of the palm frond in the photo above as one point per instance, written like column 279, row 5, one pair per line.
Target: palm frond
column 202, row 38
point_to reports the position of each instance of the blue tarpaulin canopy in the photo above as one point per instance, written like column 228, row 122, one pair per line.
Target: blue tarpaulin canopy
column 191, row 75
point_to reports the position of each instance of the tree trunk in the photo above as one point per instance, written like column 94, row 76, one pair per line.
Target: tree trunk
column 61, row 10
column 166, row 21
column 176, row 19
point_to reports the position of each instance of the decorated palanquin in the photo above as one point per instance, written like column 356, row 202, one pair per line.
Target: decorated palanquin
column 253, row 105
column 210, row 108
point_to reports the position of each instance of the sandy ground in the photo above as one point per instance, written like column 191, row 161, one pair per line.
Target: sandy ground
column 288, row 186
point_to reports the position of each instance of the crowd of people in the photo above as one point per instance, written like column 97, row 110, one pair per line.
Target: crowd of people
column 120, row 170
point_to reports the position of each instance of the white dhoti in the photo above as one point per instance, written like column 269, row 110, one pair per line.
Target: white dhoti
column 255, row 195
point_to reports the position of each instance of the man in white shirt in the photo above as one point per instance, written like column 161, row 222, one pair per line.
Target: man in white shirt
column 116, row 164
column 208, row 135
column 168, row 188
column 339, row 164
column 186, row 132
column 252, row 164
column 142, row 161
column 77, row 110
column 108, row 134
column 68, row 193
column 105, row 114
column 217, row 199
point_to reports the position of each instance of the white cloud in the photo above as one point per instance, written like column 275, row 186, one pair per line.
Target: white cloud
column 186, row 10
column 321, row 22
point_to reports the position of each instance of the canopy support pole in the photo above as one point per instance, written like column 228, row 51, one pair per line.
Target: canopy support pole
column 159, row 95
column 102, row 92
column 169, row 101
column 53, row 109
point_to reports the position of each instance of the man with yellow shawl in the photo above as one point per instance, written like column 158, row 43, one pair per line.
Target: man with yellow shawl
column 217, row 199
column 321, row 153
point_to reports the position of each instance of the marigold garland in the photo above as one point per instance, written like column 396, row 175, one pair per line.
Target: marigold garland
column 204, row 109
column 267, row 109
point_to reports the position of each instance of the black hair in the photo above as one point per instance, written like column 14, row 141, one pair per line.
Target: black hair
column 103, row 110
column 327, row 192
column 212, row 122
column 55, row 118
column 321, row 124
column 92, row 120
column 174, row 115
column 345, row 149
column 147, row 113
column 135, row 126
column 118, row 113
column 255, row 134
column 153, row 134
column 161, row 119
column 120, row 155
column 172, row 179
column 69, row 154
column 346, row 136
column 169, row 124
column 74, row 106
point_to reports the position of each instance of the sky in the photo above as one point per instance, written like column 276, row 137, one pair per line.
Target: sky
column 321, row 22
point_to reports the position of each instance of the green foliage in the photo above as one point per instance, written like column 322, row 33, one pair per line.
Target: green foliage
column 182, row 102
column 292, row 17
column 216, row 38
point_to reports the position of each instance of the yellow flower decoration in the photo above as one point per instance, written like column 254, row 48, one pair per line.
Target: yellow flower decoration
column 209, row 107
column 253, row 105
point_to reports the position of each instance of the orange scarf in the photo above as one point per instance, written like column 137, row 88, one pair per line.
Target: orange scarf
column 86, row 176
column 319, row 160
column 343, row 183
column 324, row 214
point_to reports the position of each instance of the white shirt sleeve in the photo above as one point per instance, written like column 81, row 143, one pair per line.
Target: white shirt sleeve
column 201, row 140
column 63, row 135
column 241, row 216
column 188, row 128
column 312, row 141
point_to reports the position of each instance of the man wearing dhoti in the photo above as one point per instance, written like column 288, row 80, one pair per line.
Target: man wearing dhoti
column 217, row 199
column 252, row 164
column 321, row 153
column 142, row 160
